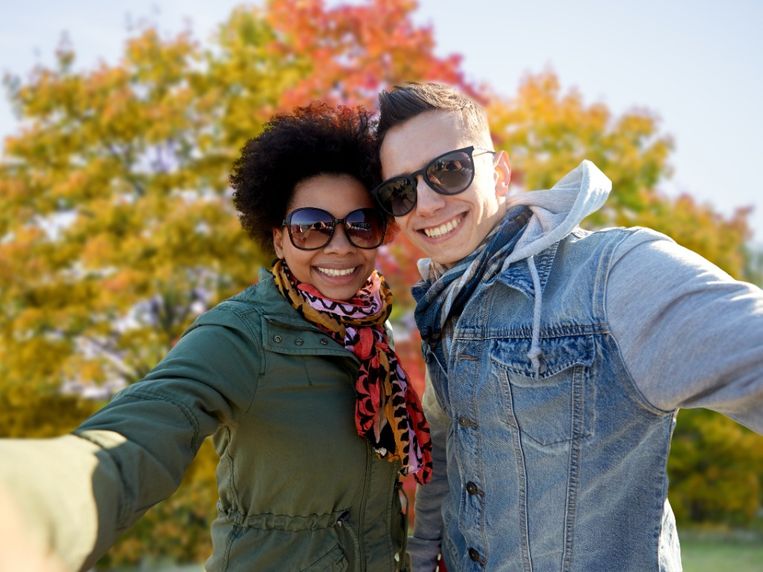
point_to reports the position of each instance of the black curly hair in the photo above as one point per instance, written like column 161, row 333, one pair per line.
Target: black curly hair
column 312, row 140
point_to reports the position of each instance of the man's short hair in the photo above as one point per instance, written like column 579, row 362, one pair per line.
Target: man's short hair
column 404, row 102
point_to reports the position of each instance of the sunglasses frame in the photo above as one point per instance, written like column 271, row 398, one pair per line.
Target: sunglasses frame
column 412, row 179
column 334, row 223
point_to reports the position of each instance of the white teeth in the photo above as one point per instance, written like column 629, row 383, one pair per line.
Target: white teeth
column 337, row 271
column 436, row 231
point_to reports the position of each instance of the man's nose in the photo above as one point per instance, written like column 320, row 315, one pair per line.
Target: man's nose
column 427, row 200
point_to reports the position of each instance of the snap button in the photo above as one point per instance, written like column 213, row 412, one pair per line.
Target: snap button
column 324, row 342
column 472, row 488
column 277, row 339
column 342, row 517
column 299, row 341
column 476, row 556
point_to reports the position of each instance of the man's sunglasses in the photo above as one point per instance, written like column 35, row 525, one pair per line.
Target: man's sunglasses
column 448, row 174
column 311, row 228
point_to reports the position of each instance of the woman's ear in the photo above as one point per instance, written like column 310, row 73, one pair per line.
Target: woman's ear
column 278, row 237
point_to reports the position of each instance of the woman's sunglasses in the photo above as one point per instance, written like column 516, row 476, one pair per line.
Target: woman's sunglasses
column 448, row 174
column 311, row 228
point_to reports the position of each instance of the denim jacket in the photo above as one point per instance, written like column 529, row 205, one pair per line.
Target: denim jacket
column 560, row 464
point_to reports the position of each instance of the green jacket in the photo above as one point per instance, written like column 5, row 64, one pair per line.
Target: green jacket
column 298, row 489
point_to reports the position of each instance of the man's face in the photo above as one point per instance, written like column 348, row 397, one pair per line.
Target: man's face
column 446, row 227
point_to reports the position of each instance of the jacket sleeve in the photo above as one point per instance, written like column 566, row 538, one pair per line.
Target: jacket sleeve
column 80, row 491
column 689, row 334
column 424, row 544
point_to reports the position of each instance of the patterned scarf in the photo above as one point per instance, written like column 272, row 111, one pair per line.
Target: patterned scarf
column 445, row 292
column 388, row 412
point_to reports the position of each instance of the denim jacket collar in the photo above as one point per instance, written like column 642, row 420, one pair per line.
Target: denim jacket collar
column 518, row 276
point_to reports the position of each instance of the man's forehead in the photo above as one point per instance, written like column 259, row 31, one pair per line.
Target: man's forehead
column 410, row 145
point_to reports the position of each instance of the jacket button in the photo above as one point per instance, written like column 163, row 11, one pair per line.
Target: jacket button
column 466, row 423
column 277, row 339
column 299, row 341
column 476, row 556
column 324, row 342
column 472, row 488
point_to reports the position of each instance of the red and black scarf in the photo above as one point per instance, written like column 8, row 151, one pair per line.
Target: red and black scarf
column 388, row 412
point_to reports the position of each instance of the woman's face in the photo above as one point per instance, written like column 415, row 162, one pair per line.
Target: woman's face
column 339, row 269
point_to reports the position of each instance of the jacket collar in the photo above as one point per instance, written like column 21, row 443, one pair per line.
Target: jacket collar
column 275, row 307
column 518, row 276
column 285, row 331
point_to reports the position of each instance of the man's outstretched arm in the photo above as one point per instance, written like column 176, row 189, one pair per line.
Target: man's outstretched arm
column 690, row 335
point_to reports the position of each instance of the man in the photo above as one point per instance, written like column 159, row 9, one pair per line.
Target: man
column 557, row 358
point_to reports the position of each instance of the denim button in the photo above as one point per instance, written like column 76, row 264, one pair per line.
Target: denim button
column 277, row 339
column 299, row 341
column 466, row 423
column 476, row 556
column 472, row 488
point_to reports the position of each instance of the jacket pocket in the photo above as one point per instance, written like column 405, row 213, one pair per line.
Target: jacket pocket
column 554, row 404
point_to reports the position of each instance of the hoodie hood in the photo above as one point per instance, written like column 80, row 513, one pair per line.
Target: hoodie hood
column 558, row 211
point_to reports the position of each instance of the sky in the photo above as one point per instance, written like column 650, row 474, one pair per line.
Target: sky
column 696, row 64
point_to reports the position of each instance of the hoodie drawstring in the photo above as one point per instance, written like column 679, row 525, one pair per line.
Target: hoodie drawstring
column 535, row 352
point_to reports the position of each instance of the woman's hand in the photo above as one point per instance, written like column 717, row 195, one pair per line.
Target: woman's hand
column 19, row 551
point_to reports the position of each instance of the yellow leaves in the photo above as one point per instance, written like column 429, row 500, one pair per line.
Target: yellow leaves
column 29, row 412
column 724, row 487
column 124, row 280
column 78, row 367
column 97, row 252
column 698, row 227
column 159, row 62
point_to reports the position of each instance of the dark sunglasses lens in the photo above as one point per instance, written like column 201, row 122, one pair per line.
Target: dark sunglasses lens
column 365, row 228
column 397, row 196
column 310, row 228
column 452, row 173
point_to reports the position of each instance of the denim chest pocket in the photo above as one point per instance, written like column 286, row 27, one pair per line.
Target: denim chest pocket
column 554, row 404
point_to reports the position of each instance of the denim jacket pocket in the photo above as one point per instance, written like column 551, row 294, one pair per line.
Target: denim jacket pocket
column 554, row 404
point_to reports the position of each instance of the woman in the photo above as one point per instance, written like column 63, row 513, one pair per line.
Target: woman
column 312, row 415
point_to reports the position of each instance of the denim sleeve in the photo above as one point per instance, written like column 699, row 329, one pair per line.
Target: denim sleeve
column 133, row 453
column 690, row 335
column 424, row 545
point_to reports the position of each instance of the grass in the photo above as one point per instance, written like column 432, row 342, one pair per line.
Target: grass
column 721, row 553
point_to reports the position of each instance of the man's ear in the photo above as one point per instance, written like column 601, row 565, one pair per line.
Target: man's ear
column 502, row 173
column 278, row 238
